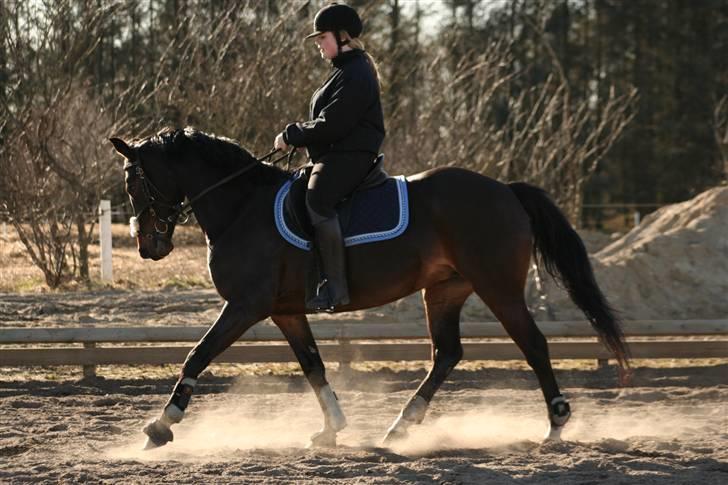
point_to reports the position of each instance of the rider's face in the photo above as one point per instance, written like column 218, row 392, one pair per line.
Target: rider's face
column 326, row 43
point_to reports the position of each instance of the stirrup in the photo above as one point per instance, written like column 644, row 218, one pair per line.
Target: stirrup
column 322, row 301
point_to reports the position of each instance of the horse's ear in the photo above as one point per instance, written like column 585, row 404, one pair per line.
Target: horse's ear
column 122, row 147
column 178, row 138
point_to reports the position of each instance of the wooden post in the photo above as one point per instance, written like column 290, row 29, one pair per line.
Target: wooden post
column 89, row 370
column 5, row 231
column 344, row 355
column 637, row 218
column 105, row 240
column 343, row 340
column 602, row 363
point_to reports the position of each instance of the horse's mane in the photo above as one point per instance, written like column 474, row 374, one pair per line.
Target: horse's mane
column 221, row 152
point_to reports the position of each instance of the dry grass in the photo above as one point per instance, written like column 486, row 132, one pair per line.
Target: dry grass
column 185, row 267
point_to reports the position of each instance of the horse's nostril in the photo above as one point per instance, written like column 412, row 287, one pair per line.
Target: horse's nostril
column 164, row 247
column 143, row 253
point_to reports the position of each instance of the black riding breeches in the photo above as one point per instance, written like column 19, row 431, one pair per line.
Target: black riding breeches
column 334, row 177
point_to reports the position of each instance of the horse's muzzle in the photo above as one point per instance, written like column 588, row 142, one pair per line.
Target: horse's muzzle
column 155, row 249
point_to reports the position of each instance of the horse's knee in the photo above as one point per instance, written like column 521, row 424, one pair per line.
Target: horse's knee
column 449, row 356
column 195, row 363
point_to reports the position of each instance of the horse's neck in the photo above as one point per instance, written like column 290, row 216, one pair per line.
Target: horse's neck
column 220, row 208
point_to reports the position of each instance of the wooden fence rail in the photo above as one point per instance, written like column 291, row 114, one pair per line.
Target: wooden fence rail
column 347, row 341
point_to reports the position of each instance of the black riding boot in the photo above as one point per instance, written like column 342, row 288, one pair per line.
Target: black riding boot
column 333, row 291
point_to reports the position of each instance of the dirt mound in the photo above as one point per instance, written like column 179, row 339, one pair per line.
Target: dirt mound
column 673, row 265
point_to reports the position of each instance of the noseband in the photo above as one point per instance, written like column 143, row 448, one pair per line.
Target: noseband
column 152, row 199
column 179, row 213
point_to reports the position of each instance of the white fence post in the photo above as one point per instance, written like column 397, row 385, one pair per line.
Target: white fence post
column 105, row 239
column 5, row 231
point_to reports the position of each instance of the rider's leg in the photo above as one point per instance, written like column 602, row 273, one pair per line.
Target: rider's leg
column 333, row 178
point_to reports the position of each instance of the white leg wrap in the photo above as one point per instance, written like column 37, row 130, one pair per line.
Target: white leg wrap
column 559, row 420
column 333, row 415
column 171, row 415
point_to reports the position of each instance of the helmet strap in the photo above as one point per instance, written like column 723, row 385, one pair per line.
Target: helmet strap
column 339, row 43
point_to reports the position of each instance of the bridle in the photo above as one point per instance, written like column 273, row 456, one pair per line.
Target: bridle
column 153, row 198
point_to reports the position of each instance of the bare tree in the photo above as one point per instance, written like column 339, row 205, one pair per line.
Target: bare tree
column 54, row 161
column 233, row 74
column 470, row 119
column 241, row 69
column 720, row 129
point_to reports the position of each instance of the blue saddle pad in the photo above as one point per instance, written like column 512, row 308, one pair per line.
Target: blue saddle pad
column 376, row 214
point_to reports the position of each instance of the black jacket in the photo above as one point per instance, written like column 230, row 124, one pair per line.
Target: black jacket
column 346, row 112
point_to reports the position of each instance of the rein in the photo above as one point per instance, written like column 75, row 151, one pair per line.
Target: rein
column 184, row 210
column 181, row 212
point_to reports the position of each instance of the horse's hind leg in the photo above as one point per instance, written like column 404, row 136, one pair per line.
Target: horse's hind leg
column 518, row 322
column 443, row 303
column 298, row 333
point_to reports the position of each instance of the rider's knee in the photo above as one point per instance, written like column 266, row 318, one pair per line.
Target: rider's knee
column 318, row 209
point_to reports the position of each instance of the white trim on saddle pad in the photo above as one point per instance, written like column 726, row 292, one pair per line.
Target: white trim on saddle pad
column 301, row 243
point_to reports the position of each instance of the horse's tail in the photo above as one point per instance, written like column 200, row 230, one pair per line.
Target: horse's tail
column 564, row 256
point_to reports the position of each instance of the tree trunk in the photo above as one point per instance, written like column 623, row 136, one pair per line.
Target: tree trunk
column 83, row 242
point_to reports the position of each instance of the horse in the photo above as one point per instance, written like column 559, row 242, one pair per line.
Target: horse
column 467, row 233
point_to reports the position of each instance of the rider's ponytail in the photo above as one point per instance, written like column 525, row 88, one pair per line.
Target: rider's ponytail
column 358, row 44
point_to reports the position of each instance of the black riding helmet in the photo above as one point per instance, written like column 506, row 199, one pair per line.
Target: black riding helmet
column 334, row 18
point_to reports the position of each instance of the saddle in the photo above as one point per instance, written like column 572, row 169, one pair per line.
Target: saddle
column 376, row 210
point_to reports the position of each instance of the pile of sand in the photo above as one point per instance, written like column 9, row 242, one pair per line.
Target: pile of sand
column 673, row 265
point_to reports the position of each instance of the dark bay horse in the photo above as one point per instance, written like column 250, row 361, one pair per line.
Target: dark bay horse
column 467, row 233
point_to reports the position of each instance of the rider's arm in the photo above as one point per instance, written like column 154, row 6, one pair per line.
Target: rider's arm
column 349, row 101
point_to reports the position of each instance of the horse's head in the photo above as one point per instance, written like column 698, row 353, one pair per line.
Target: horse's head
column 154, row 196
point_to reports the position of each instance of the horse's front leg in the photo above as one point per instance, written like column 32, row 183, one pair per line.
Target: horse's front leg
column 298, row 333
column 233, row 321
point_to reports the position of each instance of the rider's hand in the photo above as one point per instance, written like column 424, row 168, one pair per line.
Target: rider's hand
column 279, row 143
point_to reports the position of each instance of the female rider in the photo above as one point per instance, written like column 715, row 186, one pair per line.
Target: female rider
column 342, row 138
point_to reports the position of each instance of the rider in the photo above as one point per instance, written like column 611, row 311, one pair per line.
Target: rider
column 342, row 137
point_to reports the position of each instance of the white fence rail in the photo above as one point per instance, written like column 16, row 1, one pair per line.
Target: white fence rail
column 351, row 341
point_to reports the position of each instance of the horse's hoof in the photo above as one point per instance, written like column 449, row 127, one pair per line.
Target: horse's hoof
column 553, row 435
column 323, row 439
column 150, row 445
column 394, row 435
column 158, row 434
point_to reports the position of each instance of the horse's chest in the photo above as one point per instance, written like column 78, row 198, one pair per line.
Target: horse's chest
column 237, row 272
